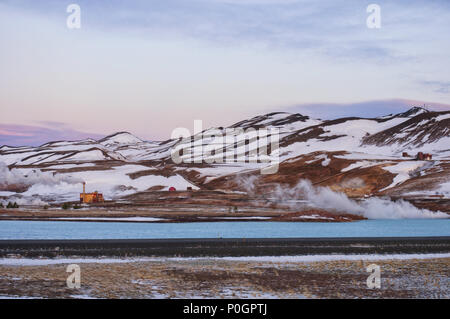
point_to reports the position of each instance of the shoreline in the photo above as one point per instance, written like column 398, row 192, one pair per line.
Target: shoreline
column 224, row 247
column 175, row 215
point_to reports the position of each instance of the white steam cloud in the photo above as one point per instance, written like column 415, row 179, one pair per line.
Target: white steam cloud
column 32, row 177
column 372, row 208
column 31, row 181
column 25, row 200
column 247, row 182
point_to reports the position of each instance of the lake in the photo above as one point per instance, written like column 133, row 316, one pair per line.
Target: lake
column 117, row 230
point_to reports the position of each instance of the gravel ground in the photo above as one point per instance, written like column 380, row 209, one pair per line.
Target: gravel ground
column 218, row 278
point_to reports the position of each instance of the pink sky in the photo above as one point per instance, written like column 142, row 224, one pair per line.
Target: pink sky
column 148, row 67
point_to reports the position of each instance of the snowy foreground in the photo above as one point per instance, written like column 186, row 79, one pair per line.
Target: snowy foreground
column 336, row 276
column 275, row 259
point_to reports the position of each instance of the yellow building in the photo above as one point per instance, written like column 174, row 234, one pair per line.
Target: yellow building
column 88, row 198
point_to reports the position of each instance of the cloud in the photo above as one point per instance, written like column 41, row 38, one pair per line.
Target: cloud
column 145, row 64
column 336, row 29
column 361, row 109
column 257, row 2
column 28, row 135
column 438, row 86
column 13, row 133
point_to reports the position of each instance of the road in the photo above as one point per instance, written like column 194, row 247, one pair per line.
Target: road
column 224, row 247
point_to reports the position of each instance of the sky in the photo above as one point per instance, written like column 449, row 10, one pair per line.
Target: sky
column 148, row 67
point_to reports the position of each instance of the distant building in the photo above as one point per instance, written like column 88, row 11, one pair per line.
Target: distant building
column 404, row 154
column 424, row 156
column 88, row 198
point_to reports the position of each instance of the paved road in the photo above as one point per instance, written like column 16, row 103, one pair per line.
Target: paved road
column 224, row 247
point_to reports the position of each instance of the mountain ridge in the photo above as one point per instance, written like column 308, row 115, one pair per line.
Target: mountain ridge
column 357, row 156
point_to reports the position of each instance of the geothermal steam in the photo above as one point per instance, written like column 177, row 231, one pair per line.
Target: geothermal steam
column 19, row 177
column 19, row 180
column 372, row 208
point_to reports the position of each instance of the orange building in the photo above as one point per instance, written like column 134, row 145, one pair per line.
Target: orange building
column 88, row 198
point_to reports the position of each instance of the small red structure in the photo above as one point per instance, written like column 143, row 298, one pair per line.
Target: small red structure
column 424, row 156
column 172, row 189
column 404, row 154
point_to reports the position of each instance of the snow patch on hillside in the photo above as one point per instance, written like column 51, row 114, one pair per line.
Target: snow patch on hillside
column 363, row 164
column 123, row 138
column 403, row 171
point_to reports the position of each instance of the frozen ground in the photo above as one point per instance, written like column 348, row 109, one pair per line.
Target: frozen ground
column 410, row 277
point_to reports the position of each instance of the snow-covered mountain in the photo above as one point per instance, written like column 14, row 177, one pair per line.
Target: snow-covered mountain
column 358, row 156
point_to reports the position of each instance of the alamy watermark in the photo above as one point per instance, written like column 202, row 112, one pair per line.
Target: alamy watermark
column 74, row 279
column 74, row 19
column 374, row 279
column 229, row 145
column 374, row 19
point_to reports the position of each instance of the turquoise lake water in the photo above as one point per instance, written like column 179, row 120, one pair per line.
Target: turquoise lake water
column 117, row 230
